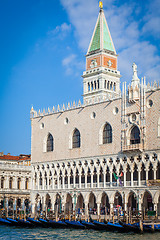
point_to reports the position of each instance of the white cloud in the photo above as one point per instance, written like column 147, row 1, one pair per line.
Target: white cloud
column 128, row 33
column 152, row 19
column 72, row 65
column 60, row 31
column 68, row 60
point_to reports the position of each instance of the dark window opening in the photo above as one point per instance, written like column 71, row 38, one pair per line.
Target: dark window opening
column 50, row 143
column 76, row 139
column 135, row 135
column 107, row 134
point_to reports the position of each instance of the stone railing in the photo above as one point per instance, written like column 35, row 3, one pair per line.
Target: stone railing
column 132, row 147
column 14, row 167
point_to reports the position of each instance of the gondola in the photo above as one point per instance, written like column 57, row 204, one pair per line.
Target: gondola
column 100, row 225
column 24, row 223
column 75, row 224
column 90, row 225
column 45, row 222
column 130, row 227
column 57, row 224
column 115, row 227
column 36, row 223
column 157, row 227
column 4, row 222
column 13, row 222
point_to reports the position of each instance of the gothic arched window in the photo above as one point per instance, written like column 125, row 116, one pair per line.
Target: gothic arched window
column 49, row 143
column 76, row 139
column 135, row 135
column 107, row 134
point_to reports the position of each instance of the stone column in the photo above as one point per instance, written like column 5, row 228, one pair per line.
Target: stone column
column 23, row 182
column 14, row 182
column 111, row 209
column 131, row 178
column 29, row 183
column 7, row 207
column 58, row 180
column 146, row 169
column 63, row 184
column 125, row 206
column 43, row 183
column 98, row 210
column 140, row 204
column 7, row 182
column 68, row 180
column 86, row 211
column 92, row 179
column 33, row 209
column 85, row 179
column 47, row 185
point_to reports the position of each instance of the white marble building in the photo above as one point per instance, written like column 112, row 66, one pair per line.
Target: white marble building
column 104, row 152
column 15, row 183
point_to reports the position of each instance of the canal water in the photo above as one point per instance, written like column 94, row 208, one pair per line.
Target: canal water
column 14, row 233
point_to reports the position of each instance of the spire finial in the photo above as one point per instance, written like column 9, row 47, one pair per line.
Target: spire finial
column 100, row 4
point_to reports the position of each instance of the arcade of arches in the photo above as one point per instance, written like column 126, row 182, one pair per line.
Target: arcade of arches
column 99, row 203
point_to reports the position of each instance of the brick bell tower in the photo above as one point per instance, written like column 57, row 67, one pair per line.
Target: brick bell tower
column 101, row 80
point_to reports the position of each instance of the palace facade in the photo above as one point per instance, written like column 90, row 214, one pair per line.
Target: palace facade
column 104, row 152
column 15, row 183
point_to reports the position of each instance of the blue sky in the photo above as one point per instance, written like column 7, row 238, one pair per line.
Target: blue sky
column 42, row 48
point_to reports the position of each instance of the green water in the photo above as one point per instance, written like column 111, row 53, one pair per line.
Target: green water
column 13, row 233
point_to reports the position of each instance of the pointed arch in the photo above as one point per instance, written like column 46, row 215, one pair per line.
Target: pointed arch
column 50, row 143
column 135, row 135
column 107, row 134
column 76, row 142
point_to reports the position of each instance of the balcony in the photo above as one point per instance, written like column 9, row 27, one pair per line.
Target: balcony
column 132, row 147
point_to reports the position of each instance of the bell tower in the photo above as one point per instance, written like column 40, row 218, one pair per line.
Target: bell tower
column 101, row 80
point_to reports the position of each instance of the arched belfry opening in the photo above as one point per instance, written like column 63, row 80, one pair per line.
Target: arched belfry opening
column 135, row 135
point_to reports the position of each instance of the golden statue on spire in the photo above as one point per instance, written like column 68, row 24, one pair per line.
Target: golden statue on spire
column 100, row 4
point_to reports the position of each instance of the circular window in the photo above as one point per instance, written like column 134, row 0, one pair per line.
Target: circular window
column 115, row 110
column 93, row 115
column 41, row 125
column 66, row 121
column 133, row 117
column 150, row 103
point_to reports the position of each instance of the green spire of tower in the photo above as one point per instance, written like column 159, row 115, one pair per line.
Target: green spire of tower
column 101, row 38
